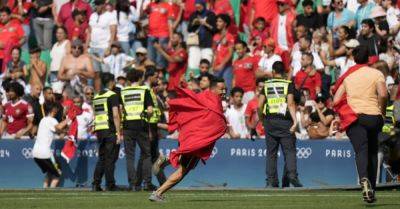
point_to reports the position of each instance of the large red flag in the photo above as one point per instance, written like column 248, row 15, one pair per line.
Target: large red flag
column 346, row 114
column 70, row 146
column 200, row 121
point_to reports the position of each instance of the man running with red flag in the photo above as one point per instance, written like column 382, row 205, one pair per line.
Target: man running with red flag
column 200, row 121
column 360, row 101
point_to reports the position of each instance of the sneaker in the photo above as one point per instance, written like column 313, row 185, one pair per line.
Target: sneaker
column 367, row 191
column 159, row 164
column 154, row 197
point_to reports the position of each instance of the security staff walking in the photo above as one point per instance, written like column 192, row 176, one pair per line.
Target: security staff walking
column 137, row 108
column 150, row 81
column 277, row 107
column 107, row 126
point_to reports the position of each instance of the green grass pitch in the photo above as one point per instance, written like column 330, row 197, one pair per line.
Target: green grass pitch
column 193, row 199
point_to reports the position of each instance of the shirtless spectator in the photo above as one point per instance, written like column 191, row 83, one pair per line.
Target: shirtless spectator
column 36, row 71
column 76, row 68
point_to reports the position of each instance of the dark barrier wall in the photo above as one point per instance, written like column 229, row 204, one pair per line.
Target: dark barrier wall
column 235, row 163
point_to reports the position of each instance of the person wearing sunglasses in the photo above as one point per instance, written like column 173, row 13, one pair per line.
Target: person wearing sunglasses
column 76, row 68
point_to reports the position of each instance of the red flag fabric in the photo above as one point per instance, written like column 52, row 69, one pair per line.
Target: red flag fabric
column 346, row 114
column 200, row 121
column 69, row 149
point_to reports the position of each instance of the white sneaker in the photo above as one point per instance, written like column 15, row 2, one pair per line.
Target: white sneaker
column 154, row 197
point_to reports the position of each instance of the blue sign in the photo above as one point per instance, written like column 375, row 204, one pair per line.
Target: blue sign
column 233, row 164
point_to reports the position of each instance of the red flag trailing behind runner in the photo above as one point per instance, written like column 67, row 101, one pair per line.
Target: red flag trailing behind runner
column 200, row 121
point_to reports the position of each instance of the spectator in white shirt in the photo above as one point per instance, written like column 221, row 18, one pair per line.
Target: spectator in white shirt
column 116, row 61
column 126, row 16
column 101, row 34
column 267, row 60
column 304, row 46
column 392, row 13
column 343, row 63
column 235, row 115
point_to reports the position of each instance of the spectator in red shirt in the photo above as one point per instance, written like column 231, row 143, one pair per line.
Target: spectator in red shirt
column 175, row 12
column 79, row 26
column 308, row 78
column 265, row 8
column 223, row 46
column 258, row 35
column 11, row 35
column 17, row 114
column 21, row 10
column 159, row 31
column 244, row 68
column 225, row 7
column 177, row 60
column 65, row 16
column 251, row 112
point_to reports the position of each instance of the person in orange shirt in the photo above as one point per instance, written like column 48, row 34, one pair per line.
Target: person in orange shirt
column 11, row 35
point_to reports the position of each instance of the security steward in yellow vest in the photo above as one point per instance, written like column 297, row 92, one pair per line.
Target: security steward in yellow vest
column 107, row 126
column 138, row 109
column 388, row 127
column 277, row 107
column 151, row 81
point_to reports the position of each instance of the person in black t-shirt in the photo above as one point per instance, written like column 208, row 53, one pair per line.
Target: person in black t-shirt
column 107, row 126
column 322, row 113
column 138, row 108
column 310, row 19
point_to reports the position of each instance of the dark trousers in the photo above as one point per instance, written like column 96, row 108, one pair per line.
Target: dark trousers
column 363, row 136
column 108, row 155
column 277, row 133
column 131, row 137
column 154, row 152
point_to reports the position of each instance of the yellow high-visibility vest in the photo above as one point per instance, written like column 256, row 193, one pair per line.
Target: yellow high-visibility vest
column 276, row 91
column 100, row 107
column 133, row 102
column 388, row 127
column 156, row 110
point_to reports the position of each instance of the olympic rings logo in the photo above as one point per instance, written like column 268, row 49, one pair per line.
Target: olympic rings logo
column 303, row 153
column 27, row 153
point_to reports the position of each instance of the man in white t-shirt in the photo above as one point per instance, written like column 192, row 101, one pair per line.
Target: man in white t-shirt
column 392, row 13
column 102, row 33
column 304, row 46
column 235, row 115
column 267, row 60
column 41, row 151
column 343, row 63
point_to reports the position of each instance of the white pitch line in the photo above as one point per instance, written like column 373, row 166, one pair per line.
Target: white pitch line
column 104, row 195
